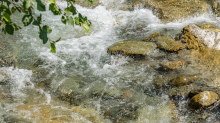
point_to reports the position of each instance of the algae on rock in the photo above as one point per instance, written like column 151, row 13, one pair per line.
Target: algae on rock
column 168, row 44
column 132, row 48
column 171, row 10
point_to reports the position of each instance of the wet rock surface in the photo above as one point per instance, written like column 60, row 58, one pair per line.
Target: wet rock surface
column 168, row 44
column 173, row 64
column 203, row 99
column 195, row 37
column 185, row 80
column 71, row 90
column 171, row 10
column 216, row 7
column 6, row 57
column 132, row 48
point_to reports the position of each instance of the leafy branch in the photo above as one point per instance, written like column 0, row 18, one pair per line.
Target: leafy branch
column 8, row 7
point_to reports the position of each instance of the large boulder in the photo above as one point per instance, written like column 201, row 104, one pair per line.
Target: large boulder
column 171, row 10
column 132, row 48
column 185, row 79
column 203, row 99
column 195, row 37
column 168, row 44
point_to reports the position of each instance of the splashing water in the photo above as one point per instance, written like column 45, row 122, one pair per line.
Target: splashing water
column 106, row 88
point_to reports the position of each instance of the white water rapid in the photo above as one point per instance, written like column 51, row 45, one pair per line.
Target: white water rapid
column 109, row 88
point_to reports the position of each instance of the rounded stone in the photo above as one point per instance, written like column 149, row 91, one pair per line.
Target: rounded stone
column 203, row 99
column 185, row 80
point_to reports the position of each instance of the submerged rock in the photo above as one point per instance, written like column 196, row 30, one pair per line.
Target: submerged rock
column 195, row 37
column 185, row 80
column 168, row 44
column 71, row 90
column 151, row 37
column 173, row 64
column 203, row 99
column 89, row 113
column 163, row 112
column 132, row 48
column 182, row 92
column 162, row 81
column 6, row 57
column 171, row 10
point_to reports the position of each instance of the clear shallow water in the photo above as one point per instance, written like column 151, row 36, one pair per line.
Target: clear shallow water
column 115, row 89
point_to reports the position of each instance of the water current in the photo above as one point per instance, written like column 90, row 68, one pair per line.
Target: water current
column 105, row 88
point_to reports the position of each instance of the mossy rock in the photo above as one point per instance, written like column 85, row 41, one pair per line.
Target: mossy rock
column 185, row 80
column 132, row 48
column 196, row 38
column 168, row 44
column 171, row 10
column 203, row 99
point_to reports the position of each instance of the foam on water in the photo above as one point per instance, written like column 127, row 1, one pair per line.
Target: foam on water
column 80, row 53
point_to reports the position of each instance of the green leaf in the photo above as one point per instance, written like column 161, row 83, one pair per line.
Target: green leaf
column 13, row 9
column 52, row 1
column 86, row 27
column 19, row 9
column 16, row 0
column 91, row 1
column 54, row 9
column 81, row 19
column 6, row 17
column 43, row 34
column 53, row 48
column 3, row 8
column 70, row 20
column 26, row 4
column 9, row 29
column 38, row 21
column 39, row 18
column 27, row 19
column 76, row 21
column 63, row 19
column 58, row 40
column 49, row 30
column 70, row 10
column 16, row 27
column 40, row 6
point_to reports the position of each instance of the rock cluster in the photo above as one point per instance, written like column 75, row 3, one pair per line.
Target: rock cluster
column 196, row 48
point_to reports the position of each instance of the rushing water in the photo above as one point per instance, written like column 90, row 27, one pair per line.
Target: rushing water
column 110, row 88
